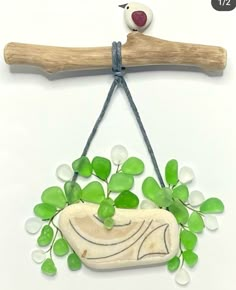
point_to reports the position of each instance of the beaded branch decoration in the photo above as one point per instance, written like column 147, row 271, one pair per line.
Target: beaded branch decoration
column 103, row 224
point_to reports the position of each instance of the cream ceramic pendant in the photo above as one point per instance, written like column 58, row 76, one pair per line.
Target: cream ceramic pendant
column 139, row 237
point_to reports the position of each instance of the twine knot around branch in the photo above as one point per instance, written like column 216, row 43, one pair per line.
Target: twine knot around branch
column 117, row 69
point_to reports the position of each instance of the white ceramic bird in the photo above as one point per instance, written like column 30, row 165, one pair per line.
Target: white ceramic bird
column 137, row 16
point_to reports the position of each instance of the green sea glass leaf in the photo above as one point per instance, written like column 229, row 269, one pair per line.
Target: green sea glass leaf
column 61, row 247
column 188, row 239
column 150, row 189
column 106, row 209
column 48, row 267
column 45, row 211
column 133, row 165
column 54, row 196
column 73, row 191
column 82, row 166
column 101, row 167
column 93, row 192
column 46, row 236
column 196, row 223
column 212, row 205
column 181, row 192
column 109, row 223
column 120, row 182
column 164, row 198
column 179, row 211
column 173, row 264
column 171, row 172
column 190, row 258
column 74, row 262
column 126, row 199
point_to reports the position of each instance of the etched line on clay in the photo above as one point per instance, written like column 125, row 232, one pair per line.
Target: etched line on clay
column 122, row 225
column 98, row 258
column 92, row 229
column 101, row 244
column 154, row 253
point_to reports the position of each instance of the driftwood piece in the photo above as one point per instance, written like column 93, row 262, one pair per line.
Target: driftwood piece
column 139, row 50
column 139, row 237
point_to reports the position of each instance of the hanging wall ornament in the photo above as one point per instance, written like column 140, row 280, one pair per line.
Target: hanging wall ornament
column 104, row 225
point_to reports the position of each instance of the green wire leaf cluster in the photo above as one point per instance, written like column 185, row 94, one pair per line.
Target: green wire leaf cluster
column 174, row 198
column 119, row 183
column 113, row 189
column 54, row 200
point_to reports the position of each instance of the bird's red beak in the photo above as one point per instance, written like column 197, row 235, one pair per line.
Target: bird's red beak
column 123, row 5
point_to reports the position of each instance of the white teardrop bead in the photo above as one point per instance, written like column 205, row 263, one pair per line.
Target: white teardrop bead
column 64, row 172
column 196, row 198
column 33, row 225
column 119, row 154
column 186, row 175
column 38, row 256
column 147, row 204
column 182, row 277
column 211, row 222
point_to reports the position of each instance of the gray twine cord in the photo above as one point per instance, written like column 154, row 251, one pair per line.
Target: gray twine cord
column 119, row 80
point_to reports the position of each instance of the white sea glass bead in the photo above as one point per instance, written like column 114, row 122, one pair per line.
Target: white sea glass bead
column 182, row 277
column 211, row 222
column 38, row 256
column 196, row 198
column 147, row 204
column 64, row 172
column 119, row 154
column 33, row 225
column 186, row 175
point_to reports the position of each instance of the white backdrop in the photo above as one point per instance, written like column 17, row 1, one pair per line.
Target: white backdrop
column 45, row 122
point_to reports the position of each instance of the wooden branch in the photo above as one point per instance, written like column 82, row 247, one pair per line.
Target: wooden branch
column 139, row 50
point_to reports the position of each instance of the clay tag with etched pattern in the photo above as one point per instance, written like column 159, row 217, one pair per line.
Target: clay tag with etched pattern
column 139, row 237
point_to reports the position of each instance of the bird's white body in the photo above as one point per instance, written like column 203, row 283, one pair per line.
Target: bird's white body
column 137, row 16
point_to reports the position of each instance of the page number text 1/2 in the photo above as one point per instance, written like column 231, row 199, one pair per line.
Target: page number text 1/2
column 224, row 2
column 223, row 5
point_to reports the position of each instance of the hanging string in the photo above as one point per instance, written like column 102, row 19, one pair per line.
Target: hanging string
column 119, row 80
column 143, row 131
column 100, row 118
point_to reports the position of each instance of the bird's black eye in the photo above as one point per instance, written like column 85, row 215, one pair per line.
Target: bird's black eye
column 127, row 7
